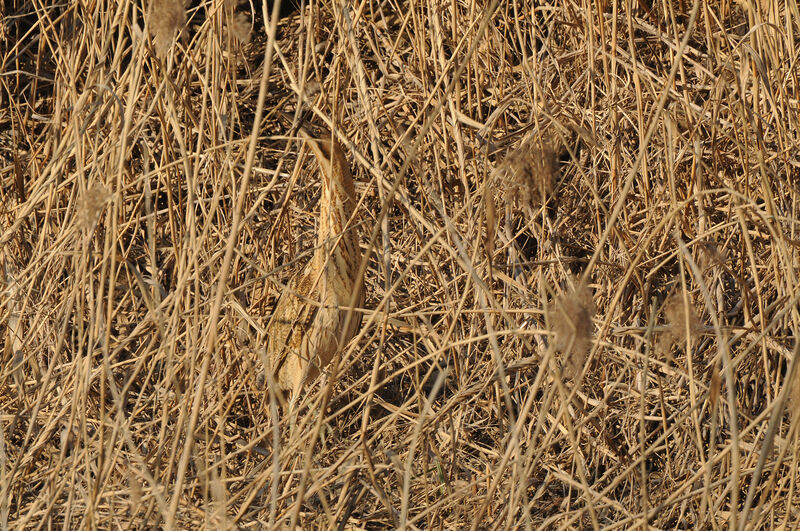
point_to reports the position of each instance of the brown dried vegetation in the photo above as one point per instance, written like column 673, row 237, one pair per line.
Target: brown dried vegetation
column 153, row 211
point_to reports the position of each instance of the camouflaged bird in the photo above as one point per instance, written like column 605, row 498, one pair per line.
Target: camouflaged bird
column 307, row 328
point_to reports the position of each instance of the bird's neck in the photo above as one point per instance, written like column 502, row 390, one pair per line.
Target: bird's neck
column 336, row 209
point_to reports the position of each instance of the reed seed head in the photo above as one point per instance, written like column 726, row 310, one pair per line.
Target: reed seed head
column 572, row 327
column 526, row 175
column 166, row 18
column 682, row 323
column 91, row 205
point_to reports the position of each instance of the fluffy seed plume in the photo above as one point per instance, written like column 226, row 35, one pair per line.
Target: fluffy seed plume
column 241, row 28
column 682, row 323
column 166, row 18
column 91, row 205
column 526, row 175
column 571, row 324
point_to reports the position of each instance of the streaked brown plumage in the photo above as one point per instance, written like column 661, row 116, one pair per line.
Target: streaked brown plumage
column 307, row 326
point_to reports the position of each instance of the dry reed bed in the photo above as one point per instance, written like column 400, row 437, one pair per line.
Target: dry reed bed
column 582, row 297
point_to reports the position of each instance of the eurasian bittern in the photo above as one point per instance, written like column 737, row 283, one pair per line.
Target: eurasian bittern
column 307, row 328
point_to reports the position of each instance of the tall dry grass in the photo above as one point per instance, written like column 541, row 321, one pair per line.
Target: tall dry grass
column 582, row 292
